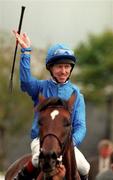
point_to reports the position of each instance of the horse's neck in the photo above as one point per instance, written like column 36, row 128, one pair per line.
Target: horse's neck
column 70, row 162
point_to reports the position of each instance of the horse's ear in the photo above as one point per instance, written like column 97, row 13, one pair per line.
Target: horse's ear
column 41, row 99
column 71, row 100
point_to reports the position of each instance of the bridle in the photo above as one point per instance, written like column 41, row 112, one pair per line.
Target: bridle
column 61, row 144
column 54, row 157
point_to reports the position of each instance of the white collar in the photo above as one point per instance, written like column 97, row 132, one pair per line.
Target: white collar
column 59, row 83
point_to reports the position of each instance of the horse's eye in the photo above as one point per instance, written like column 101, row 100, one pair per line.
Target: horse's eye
column 67, row 123
column 40, row 123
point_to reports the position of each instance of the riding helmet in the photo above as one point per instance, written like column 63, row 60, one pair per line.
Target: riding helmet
column 58, row 54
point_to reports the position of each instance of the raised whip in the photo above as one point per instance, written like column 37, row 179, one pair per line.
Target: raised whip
column 15, row 52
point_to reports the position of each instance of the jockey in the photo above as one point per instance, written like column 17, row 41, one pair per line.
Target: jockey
column 60, row 61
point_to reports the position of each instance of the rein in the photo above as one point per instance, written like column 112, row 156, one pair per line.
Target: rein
column 62, row 145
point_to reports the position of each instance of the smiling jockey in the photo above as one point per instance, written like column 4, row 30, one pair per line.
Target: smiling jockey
column 60, row 61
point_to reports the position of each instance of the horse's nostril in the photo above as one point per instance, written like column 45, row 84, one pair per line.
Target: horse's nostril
column 54, row 155
column 50, row 155
column 41, row 155
column 47, row 161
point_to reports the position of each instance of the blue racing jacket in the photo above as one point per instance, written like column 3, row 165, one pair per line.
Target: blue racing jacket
column 49, row 88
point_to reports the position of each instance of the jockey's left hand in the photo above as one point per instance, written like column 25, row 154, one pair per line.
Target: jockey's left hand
column 22, row 39
column 61, row 171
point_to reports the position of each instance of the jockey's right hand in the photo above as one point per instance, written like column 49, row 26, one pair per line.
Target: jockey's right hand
column 22, row 39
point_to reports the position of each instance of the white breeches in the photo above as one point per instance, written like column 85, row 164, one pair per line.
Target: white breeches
column 82, row 164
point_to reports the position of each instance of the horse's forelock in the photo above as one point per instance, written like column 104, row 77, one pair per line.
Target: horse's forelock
column 51, row 102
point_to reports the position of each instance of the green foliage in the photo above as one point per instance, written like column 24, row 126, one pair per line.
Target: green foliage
column 95, row 66
column 14, row 107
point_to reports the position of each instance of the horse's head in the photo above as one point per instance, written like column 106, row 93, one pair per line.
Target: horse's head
column 55, row 130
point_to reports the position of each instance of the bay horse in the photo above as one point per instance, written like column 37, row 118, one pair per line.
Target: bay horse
column 56, row 144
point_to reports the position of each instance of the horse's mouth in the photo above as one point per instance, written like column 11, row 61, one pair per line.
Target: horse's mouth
column 50, row 172
column 48, row 169
column 48, row 163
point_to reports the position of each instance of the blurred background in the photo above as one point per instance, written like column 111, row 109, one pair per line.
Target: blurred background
column 87, row 27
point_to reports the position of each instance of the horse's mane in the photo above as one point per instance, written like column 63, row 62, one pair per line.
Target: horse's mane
column 52, row 102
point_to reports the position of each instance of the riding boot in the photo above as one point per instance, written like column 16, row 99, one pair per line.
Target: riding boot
column 25, row 175
column 85, row 177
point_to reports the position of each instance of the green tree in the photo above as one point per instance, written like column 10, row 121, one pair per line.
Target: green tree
column 94, row 73
column 12, row 105
column 95, row 66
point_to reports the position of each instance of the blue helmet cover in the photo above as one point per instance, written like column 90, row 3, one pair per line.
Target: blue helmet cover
column 59, row 51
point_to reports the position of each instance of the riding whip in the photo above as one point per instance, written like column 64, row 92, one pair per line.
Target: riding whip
column 15, row 52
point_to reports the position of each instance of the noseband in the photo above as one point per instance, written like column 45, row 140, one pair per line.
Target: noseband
column 61, row 144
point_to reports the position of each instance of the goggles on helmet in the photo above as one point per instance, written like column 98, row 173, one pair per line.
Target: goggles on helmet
column 59, row 54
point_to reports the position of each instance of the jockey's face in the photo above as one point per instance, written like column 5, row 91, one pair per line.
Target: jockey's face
column 61, row 72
